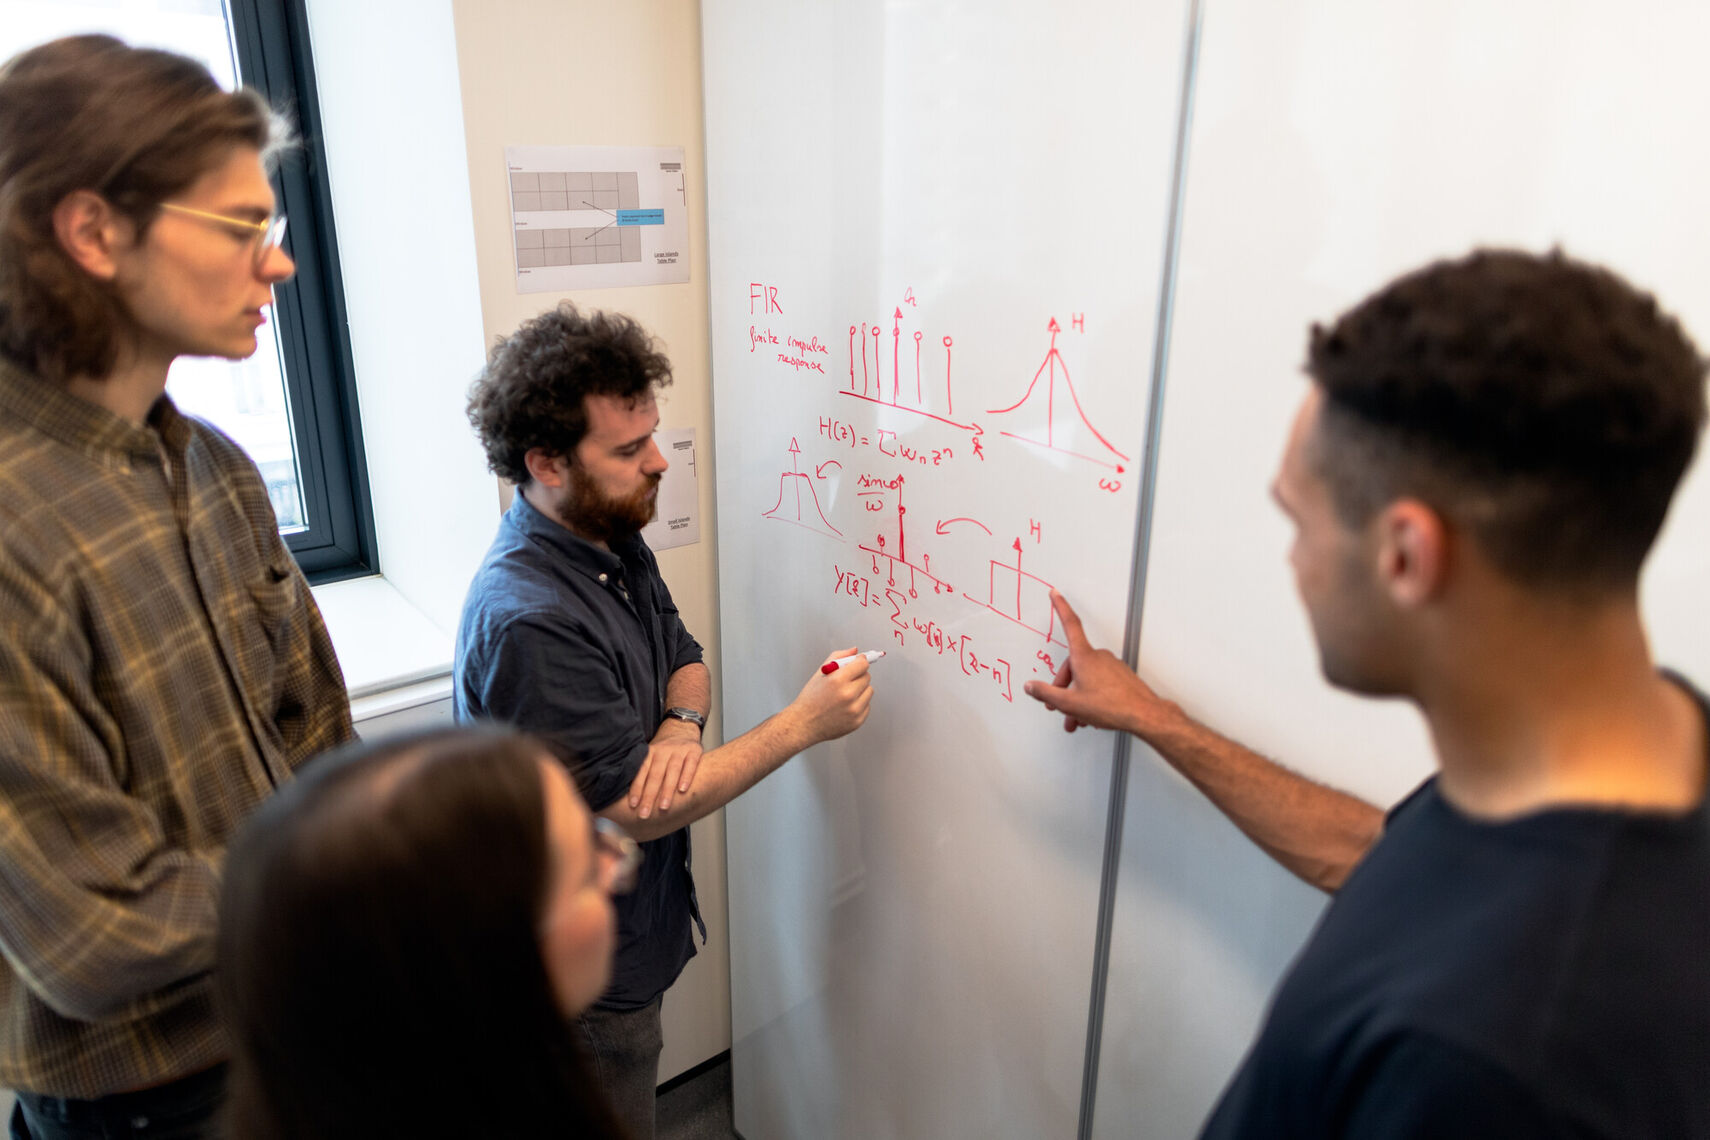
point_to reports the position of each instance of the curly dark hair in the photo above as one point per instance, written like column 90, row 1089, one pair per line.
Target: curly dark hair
column 136, row 126
column 1541, row 403
column 531, row 394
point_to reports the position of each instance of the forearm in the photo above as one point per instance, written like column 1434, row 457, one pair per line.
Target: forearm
column 725, row 773
column 1316, row 832
column 690, row 687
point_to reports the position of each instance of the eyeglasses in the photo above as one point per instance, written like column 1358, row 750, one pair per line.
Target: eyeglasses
column 267, row 235
column 626, row 855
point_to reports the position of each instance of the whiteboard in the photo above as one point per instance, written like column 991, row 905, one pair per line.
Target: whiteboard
column 1334, row 145
column 935, row 238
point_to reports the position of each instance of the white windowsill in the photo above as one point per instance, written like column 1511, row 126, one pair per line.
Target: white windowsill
column 393, row 657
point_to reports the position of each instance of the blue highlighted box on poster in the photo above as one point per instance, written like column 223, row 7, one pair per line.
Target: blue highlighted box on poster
column 641, row 217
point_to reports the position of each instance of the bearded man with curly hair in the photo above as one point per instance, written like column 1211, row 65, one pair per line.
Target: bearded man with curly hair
column 569, row 632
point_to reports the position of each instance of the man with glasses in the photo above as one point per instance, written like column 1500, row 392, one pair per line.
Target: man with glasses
column 570, row 633
column 162, row 664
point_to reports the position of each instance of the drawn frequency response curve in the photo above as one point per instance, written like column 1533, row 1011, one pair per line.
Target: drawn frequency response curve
column 798, row 499
column 1052, row 366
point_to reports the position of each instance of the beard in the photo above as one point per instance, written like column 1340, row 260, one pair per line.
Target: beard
column 598, row 517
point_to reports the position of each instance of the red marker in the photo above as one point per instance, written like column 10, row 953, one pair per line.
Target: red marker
column 836, row 662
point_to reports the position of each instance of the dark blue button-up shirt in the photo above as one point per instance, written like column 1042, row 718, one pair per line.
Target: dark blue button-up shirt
column 577, row 644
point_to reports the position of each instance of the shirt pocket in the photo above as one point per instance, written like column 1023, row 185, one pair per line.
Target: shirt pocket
column 276, row 608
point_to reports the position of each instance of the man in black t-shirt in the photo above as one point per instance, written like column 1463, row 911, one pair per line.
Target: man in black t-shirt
column 1475, row 477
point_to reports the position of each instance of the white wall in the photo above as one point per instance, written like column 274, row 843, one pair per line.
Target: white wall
column 542, row 72
column 394, row 140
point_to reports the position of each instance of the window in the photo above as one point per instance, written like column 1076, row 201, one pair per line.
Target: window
column 292, row 405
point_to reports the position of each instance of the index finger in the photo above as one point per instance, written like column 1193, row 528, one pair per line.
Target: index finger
column 1071, row 623
column 659, row 765
column 640, row 780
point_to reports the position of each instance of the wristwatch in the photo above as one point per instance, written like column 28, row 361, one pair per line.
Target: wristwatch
column 695, row 718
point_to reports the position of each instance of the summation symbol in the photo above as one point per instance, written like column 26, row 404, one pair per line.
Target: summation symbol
column 1053, row 366
column 898, row 556
column 798, row 499
column 1020, row 597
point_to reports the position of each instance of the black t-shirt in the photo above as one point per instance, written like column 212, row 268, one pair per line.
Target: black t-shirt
column 1546, row 976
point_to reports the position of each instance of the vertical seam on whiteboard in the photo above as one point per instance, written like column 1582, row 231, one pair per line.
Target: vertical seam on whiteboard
column 1137, row 581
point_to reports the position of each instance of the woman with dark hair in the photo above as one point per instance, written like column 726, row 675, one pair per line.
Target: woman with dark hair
column 406, row 933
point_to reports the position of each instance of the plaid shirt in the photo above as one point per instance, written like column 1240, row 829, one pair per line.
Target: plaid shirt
column 162, row 669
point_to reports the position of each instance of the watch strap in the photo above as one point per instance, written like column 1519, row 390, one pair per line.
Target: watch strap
column 693, row 716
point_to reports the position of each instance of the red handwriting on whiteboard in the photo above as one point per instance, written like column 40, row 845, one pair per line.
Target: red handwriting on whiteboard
column 798, row 497
column 890, row 445
column 997, row 669
column 766, row 295
column 852, row 584
column 881, row 590
column 866, row 369
column 1035, row 404
column 1020, row 597
column 839, row 432
column 895, row 553
column 800, row 364
column 802, row 355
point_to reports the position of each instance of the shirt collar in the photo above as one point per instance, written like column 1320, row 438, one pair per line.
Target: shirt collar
column 88, row 427
column 582, row 555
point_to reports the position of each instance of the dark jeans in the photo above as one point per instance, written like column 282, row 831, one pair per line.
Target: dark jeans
column 622, row 1049
column 186, row 1109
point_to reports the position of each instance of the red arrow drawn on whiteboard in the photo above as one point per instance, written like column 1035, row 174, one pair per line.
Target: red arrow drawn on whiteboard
column 819, row 472
column 942, row 523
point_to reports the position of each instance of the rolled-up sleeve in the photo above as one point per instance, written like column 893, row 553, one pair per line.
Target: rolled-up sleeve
column 545, row 674
column 685, row 650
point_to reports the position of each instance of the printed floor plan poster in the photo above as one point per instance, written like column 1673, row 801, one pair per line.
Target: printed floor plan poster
column 598, row 217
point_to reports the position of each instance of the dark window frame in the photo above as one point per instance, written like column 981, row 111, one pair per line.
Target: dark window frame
column 272, row 43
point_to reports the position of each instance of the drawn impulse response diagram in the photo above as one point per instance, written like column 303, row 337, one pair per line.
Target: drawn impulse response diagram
column 1012, row 593
column 1053, row 366
column 872, row 494
column 867, row 371
column 798, row 498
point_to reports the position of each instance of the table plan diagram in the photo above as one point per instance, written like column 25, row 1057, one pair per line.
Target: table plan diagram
column 597, row 217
